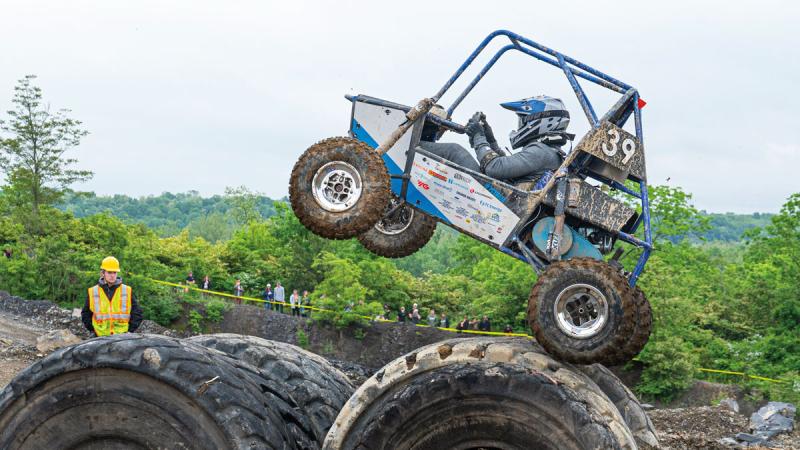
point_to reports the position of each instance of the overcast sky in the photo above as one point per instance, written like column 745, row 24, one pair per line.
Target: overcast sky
column 199, row 95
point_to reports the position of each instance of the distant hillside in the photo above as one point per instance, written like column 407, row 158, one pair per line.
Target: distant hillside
column 167, row 213
column 729, row 227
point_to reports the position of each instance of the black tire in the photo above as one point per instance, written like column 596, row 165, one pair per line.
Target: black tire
column 566, row 280
column 317, row 388
column 361, row 213
column 627, row 404
column 643, row 328
column 145, row 391
column 402, row 234
column 479, row 393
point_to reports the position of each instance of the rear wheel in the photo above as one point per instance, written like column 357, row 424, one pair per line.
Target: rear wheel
column 644, row 325
column 582, row 311
column 339, row 188
column 400, row 233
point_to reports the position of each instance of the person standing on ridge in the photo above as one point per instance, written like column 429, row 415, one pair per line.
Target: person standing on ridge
column 111, row 308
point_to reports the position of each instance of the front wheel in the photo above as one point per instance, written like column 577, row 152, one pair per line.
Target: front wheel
column 582, row 311
column 339, row 188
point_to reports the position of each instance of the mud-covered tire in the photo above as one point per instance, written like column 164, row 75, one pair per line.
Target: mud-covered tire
column 145, row 391
column 603, row 345
column 627, row 404
column 362, row 211
column 316, row 387
column 479, row 393
column 407, row 231
column 643, row 328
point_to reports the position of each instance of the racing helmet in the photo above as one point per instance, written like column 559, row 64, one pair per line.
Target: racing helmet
column 539, row 117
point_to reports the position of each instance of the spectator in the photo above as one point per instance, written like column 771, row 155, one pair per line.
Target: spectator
column 401, row 316
column 444, row 322
column 473, row 324
column 464, row 324
column 414, row 315
column 190, row 279
column 7, row 253
column 294, row 303
column 238, row 290
column 205, row 285
column 432, row 321
column 508, row 329
column 304, row 302
column 267, row 295
column 280, row 296
column 484, row 324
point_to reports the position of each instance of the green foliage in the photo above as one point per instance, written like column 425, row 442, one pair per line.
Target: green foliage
column 302, row 339
column 671, row 366
column 195, row 321
column 215, row 309
column 162, row 310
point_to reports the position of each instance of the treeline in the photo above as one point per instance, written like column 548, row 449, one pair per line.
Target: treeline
column 213, row 217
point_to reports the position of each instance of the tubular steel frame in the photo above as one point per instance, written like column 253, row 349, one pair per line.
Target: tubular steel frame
column 572, row 68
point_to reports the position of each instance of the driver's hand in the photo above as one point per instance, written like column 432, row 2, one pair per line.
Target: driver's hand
column 474, row 127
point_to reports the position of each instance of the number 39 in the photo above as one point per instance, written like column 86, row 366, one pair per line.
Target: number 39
column 628, row 146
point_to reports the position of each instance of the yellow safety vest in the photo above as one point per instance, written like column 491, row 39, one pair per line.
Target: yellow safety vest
column 110, row 316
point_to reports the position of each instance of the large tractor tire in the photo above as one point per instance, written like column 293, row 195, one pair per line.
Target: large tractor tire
column 402, row 233
column 627, row 404
column 582, row 311
column 339, row 188
column 315, row 386
column 479, row 393
column 146, row 392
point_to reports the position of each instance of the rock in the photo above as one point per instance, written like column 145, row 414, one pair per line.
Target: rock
column 55, row 339
column 730, row 403
column 648, row 407
column 76, row 313
column 751, row 438
column 728, row 442
column 773, row 418
column 5, row 341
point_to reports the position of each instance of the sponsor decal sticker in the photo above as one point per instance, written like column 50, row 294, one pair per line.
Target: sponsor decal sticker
column 491, row 206
column 461, row 185
column 443, row 186
column 494, row 192
column 423, row 185
column 461, row 177
column 468, row 197
column 437, row 175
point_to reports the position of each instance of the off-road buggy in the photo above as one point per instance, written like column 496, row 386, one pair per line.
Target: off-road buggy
column 378, row 185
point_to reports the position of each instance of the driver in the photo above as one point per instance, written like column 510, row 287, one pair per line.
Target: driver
column 541, row 131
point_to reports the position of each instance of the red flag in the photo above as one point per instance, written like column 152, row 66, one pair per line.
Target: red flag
column 641, row 103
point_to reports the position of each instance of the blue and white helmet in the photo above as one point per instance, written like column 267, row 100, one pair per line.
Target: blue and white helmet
column 538, row 116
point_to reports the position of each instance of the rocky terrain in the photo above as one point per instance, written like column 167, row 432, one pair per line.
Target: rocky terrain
column 24, row 322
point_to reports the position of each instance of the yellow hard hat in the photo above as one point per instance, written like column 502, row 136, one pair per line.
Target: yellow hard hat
column 110, row 264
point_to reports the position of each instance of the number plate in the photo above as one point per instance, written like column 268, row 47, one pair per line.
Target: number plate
column 618, row 148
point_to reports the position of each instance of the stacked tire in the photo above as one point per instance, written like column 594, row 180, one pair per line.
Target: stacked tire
column 153, row 392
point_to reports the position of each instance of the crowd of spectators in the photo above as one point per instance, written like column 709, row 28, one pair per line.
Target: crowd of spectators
column 300, row 306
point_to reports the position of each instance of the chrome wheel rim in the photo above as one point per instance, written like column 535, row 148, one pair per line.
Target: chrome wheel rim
column 336, row 186
column 398, row 222
column 581, row 311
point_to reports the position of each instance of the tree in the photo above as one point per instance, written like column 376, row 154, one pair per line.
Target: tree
column 33, row 156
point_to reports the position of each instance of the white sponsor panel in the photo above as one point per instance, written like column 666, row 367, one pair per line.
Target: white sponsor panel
column 463, row 200
column 380, row 122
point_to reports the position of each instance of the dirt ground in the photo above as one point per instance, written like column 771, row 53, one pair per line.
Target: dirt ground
column 698, row 427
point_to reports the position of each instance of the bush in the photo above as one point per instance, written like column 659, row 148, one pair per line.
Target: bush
column 302, row 339
column 215, row 310
column 670, row 367
column 162, row 310
column 195, row 318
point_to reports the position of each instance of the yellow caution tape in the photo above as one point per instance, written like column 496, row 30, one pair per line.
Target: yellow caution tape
column 455, row 330
column 314, row 308
column 742, row 374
